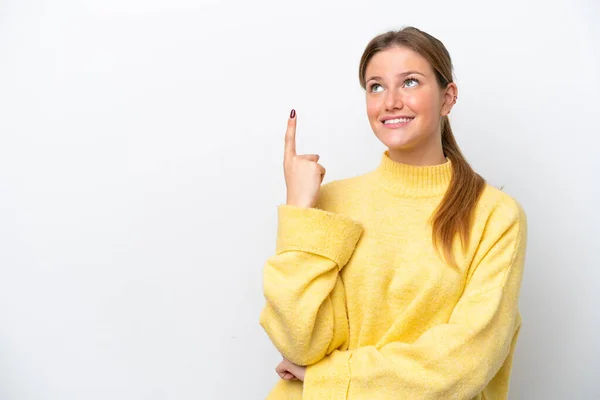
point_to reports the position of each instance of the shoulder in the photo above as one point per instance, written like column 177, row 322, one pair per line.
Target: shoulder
column 334, row 194
column 499, row 209
column 338, row 185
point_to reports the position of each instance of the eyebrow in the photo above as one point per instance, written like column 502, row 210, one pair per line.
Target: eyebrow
column 400, row 74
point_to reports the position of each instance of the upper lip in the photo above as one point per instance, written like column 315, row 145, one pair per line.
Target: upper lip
column 395, row 117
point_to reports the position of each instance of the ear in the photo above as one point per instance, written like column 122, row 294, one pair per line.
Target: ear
column 450, row 96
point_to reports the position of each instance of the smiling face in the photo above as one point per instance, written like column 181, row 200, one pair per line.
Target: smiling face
column 405, row 105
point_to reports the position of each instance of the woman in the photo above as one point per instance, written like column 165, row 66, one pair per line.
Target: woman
column 401, row 283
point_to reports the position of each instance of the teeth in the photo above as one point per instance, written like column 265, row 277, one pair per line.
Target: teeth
column 397, row 120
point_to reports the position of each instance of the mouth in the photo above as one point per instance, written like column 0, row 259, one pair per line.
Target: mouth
column 398, row 122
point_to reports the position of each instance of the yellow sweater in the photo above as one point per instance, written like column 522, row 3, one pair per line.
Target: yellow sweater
column 357, row 292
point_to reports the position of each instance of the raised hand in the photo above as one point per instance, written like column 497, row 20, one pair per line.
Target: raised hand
column 303, row 173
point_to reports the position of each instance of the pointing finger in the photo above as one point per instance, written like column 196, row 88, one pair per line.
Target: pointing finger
column 290, row 136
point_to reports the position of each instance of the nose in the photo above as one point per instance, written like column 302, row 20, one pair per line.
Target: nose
column 393, row 100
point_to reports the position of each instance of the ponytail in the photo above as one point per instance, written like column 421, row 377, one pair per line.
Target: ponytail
column 454, row 214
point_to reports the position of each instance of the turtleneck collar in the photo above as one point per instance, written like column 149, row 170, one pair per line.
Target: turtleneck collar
column 411, row 180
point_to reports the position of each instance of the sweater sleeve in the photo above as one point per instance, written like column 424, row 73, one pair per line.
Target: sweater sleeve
column 305, row 312
column 453, row 360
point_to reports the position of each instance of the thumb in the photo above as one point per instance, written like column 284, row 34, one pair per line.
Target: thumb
column 310, row 157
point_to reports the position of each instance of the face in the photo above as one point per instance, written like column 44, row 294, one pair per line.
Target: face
column 404, row 101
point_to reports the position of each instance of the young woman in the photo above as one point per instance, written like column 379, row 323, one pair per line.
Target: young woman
column 401, row 283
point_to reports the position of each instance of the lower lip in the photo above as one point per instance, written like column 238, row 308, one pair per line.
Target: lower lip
column 398, row 125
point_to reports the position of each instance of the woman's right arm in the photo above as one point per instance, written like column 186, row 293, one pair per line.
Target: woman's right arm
column 305, row 312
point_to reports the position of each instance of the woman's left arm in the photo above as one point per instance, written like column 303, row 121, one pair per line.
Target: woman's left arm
column 453, row 360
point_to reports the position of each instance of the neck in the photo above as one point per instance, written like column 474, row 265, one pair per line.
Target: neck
column 432, row 154
column 413, row 180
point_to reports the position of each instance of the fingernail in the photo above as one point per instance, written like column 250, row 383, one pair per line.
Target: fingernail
column 293, row 113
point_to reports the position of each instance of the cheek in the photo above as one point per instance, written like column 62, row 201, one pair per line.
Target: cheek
column 418, row 103
column 424, row 105
column 373, row 109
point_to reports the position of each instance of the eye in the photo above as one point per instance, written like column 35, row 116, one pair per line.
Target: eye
column 373, row 86
column 416, row 82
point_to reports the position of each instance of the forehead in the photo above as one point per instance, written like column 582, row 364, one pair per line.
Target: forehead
column 395, row 60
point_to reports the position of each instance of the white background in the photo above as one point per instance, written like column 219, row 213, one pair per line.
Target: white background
column 140, row 168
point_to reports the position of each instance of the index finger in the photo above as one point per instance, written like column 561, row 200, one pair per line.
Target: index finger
column 290, row 136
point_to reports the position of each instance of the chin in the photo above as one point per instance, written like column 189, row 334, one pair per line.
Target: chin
column 398, row 142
